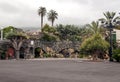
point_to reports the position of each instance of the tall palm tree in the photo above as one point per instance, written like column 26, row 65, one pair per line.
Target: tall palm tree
column 109, row 17
column 52, row 15
column 42, row 13
column 95, row 27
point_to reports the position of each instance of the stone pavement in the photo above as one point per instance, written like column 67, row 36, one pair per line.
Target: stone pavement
column 58, row 70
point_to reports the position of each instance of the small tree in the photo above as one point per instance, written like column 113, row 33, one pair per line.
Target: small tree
column 94, row 45
column 17, row 40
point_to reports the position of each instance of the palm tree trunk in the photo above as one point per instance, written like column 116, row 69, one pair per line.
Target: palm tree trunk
column 52, row 23
column 41, row 21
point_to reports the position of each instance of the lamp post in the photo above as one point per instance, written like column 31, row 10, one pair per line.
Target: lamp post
column 110, row 24
column 110, row 40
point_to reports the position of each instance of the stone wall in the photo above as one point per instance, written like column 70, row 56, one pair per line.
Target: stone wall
column 57, row 46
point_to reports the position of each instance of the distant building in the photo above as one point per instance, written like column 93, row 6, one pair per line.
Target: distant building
column 117, row 34
column 34, row 34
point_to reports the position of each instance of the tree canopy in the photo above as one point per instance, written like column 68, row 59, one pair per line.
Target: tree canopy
column 93, row 44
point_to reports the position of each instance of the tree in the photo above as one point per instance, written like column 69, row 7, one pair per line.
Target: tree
column 52, row 15
column 94, row 27
column 49, row 37
column 11, row 29
column 94, row 45
column 17, row 40
column 109, row 17
column 42, row 13
column 49, row 33
column 71, row 32
column 48, row 29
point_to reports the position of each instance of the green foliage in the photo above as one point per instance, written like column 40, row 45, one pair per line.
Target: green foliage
column 116, row 54
column 70, row 32
column 16, row 35
column 12, row 31
column 7, row 30
column 49, row 37
column 80, row 56
column 46, row 55
column 93, row 44
column 109, row 15
column 75, row 38
column 116, row 57
column 42, row 11
column 52, row 15
column 95, row 28
column 38, row 49
column 48, row 29
column 116, row 51
column 49, row 33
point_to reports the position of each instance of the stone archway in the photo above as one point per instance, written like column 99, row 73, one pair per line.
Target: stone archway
column 10, row 53
column 22, row 53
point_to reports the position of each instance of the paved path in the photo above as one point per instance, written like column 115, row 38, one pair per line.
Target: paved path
column 58, row 71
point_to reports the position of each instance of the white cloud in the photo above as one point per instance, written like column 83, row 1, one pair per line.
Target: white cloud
column 23, row 13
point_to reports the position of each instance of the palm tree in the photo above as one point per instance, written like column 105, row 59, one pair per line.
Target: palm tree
column 95, row 28
column 109, row 20
column 42, row 13
column 109, row 17
column 52, row 15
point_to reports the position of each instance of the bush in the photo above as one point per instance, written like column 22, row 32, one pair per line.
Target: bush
column 116, row 51
column 94, row 46
column 116, row 55
column 49, row 37
column 46, row 55
column 80, row 56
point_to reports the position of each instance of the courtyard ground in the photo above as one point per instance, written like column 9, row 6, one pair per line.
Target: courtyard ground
column 58, row 70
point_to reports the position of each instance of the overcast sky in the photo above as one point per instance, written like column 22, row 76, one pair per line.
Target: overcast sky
column 23, row 13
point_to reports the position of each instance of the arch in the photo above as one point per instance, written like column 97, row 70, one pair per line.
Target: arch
column 22, row 52
column 10, row 53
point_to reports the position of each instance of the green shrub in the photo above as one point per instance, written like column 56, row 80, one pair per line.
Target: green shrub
column 46, row 55
column 116, row 55
column 93, row 44
column 116, row 51
column 80, row 56
column 49, row 37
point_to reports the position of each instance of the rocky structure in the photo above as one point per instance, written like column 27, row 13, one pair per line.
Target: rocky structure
column 53, row 48
column 57, row 46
